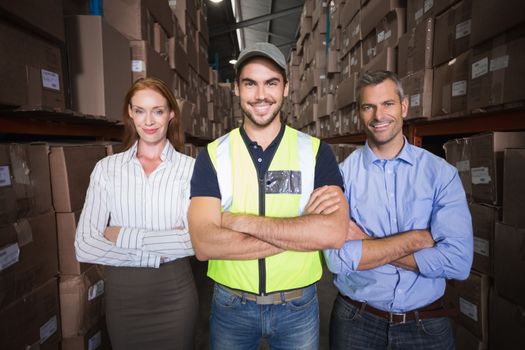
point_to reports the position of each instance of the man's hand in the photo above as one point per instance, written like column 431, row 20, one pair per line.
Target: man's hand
column 111, row 233
column 355, row 233
column 323, row 200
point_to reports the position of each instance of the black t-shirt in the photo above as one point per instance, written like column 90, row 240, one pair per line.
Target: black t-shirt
column 204, row 182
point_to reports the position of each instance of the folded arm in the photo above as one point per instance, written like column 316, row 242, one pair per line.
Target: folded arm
column 91, row 245
column 451, row 228
column 375, row 253
column 213, row 241
column 309, row 232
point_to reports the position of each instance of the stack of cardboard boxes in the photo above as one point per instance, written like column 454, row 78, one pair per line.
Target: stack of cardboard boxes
column 453, row 57
column 88, row 65
column 490, row 165
column 32, row 66
column 81, row 286
column 29, row 304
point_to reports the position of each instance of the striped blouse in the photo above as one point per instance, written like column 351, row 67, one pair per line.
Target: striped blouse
column 150, row 209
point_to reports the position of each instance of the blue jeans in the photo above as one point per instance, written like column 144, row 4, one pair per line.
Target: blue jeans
column 352, row 329
column 237, row 323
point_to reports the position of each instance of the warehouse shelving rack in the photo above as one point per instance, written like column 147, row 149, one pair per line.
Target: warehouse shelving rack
column 417, row 130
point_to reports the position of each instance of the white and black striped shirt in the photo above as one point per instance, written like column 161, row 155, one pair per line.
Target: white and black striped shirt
column 150, row 209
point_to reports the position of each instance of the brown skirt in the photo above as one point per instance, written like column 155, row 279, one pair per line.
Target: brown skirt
column 149, row 308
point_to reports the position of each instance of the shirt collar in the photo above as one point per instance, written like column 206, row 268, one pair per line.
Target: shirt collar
column 406, row 154
column 275, row 141
column 168, row 153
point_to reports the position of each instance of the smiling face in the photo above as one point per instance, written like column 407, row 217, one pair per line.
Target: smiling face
column 151, row 116
column 382, row 114
column 261, row 90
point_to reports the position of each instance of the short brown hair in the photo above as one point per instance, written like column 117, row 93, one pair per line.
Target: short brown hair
column 175, row 133
column 377, row 77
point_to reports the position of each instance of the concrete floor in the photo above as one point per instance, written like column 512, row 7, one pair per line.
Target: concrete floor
column 325, row 288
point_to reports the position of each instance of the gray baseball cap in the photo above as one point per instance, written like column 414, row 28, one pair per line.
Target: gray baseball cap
column 262, row 49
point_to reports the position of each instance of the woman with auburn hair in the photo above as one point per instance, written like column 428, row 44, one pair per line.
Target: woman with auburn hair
column 134, row 221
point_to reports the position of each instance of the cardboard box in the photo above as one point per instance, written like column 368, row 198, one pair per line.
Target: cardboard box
column 25, row 188
column 375, row 10
column 507, row 324
column 386, row 60
column 355, row 57
column 457, row 153
column 202, row 25
column 484, row 218
column 31, row 72
column 390, row 28
column 349, row 117
column 191, row 51
column 486, row 163
column 187, row 110
column 470, row 298
column 185, row 10
column 66, row 228
column 33, row 321
column 351, row 34
column 513, row 189
column 29, row 256
column 345, row 93
column 496, row 71
column 326, row 105
column 494, row 18
column 45, row 15
column 453, row 32
column 449, row 95
column 349, row 10
column 178, row 59
column 81, row 301
column 146, row 62
column 202, row 58
column 160, row 40
column 419, row 10
column 96, row 338
column 418, row 89
column 135, row 19
column 71, row 166
column 509, row 263
column 98, row 63
column 415, row 48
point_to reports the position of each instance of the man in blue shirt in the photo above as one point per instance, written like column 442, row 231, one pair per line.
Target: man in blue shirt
column 410, row 230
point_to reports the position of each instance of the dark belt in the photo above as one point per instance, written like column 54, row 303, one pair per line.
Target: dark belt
column 433, row 310
column 268, row 299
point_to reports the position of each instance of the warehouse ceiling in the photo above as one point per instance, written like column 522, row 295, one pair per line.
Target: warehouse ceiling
column 274, row 21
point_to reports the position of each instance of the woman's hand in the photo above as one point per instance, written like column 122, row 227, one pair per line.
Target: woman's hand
column 111, row 233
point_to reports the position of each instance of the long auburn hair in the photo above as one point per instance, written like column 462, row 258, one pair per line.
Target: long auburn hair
column 175, row 134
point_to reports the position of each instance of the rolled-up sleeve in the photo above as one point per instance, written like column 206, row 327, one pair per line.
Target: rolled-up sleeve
column 346, row 259
column 451, row 228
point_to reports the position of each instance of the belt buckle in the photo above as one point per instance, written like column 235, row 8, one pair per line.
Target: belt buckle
column 264, row 299
column 391, row 317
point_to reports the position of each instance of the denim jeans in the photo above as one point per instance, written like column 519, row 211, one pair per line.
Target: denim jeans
column 237, row 323
column 352, row 329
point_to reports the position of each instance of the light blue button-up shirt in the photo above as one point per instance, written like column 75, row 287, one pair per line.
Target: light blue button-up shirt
column 415, row 190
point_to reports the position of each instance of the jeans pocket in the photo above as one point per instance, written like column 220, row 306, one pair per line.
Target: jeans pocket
column 345, row 311
column 225, row 299
column 435, row 326
column 308, row 300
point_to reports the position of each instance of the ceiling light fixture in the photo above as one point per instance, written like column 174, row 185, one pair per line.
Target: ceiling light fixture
column 216, row 1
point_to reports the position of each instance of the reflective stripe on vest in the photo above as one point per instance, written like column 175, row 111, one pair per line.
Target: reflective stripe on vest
column 288, row 184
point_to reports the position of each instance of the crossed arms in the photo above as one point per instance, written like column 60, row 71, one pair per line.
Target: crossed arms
column 217, row 235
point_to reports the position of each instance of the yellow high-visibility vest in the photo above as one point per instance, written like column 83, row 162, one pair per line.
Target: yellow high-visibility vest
column 284, row 192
